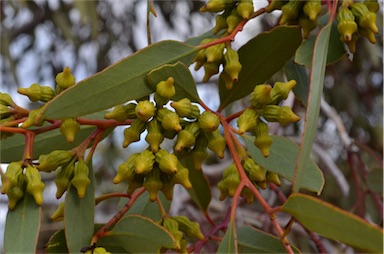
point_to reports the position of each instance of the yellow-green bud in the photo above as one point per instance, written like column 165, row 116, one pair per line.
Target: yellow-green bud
column 35, row 186
column 312, row 8
column 145, row 110
column 208, row 121
column 273, row 178
column 221, row 22
column 347, row 25
column 51, row 161
column 6, row 100
column 38, row 93
column 233, row 20
column 166, row 89
column 247, row 193
column 280, row 90
column 132, row 133
column 16, row 193
column 173, row 227
column 167, row 161
column 98, row 250
column 187, row 137
column 167, row 186
column 5, row 111
column 368, row 34
column 144, row 162
column 372, row 5
column 254, row 171
column 11, row 177
column 191, row 229
column 199, row 153
column 69, row 128
column 227, row 80
column 232, row 181
column 153, row 184
column 247, row 121
column 121, row 113
column 232, row 64
column 284, row 115
column 261, row 95
column 64, row 80
column 307, row 26
column 155, row 136
column 365, row 18
column 245, row 8
column 223, row 190
column 214, row 6
column 58, row 215
column 352, row 44
column 80, row 179
column 210, row 69
column 136, row 183
column 216, row 143
column 63, row 178
column 34, row 118
column 126, row 170
column 169, row 120
column 275, row 5
column 263, row 140
column 182, row 177
column 214, row 53
column 290, row 11
column 185, row 108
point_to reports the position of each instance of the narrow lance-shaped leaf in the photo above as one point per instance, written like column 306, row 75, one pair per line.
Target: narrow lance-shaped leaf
column 313, row 104
column 334, row 223
column 228, row 244
column 119, row 83
column 298, row 73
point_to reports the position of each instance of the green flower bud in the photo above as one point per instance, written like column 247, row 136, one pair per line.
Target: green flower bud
column 223, row 190
column 214, row 6
column 80, row 179
column 214, row 53
column 64, row 80
column 58, row 215
column 245, row 8
column 126, row 170
column 153, row 184
column 199, row 153
column 51, row 161
column 191, row 229
column 132, row 133
column 365, row 18
column 166, row 89
column 5, row 111
column 254, row 171
column 312, row 8
column 69, row 128
column 98, row 250
column 187, row 137
column 290, row 11
column 182, row 177
column 173, row 227
column 307, row 26
column 232, row 181
column 233, row 20
column 221, row 23
column 6, row 100
column 216, row 143
column 145, row 110
column 232, row 64
column 280, row 90
column 167, row 162
column 284, row 115
column 247, row 193
column 347, row 25
column 169, row 120
column 167, row 186
column 210, row 69
column 134, row 184
column 11, row 177
column 227, row 80
column 273, row 178
column 208, row 121
column 263, row 140
column 372, row 5
column 275, row 5
column 121, row 113
column 185, row 108
column 144, row 162
column 368, row 34
column 247, row 121
column 63, row 178
column 261, row 95
column 34, row 118
column 35, row 186
column 16, row 193
column 38, row 93
column 155, row 136
column 352, row 44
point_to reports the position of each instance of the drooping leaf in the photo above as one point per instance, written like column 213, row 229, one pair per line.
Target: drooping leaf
column 313, row 105
column 79, row 216
column 138, row 234
column 282, row 160
column 334, row 223
column 119, row 83
column 57, row 243
column 261, row 57
column 184, row 84
column 12, row 148
column 298, row 73
column 228, row 243
column 252, row 240
column 22, row 226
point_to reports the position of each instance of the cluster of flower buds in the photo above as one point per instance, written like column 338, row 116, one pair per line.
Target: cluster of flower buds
column 233, row 11
column 355, row 19
column 8, row 113
column 155, row 168
column 181, row 228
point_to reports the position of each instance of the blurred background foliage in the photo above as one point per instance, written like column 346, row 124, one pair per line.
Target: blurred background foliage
column 39, row 38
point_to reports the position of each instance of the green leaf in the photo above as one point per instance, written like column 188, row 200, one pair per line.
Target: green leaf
column 335, row 51
column 334, row 223
column 57, row 243
column 298, row 73
column 184, row 83
column 119, row 83
column 228, row 243
column 252, row 240
column 12, row 148
column 137, row 234
column 22, row 226
column 282, row 160
column 313, row 107
column 261, row 57
column 79, row 216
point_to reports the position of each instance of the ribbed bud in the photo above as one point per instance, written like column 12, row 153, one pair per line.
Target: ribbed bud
column 254, row 171
column 199, row 153
column 263, row 140
column 352, row 44
column 50, row 162
column 221, row 23
column 232, row 181
column 227, row 80
column 275, row 5
column 167, row 186
column 280, row 90
column 368, row 34
column 185, row 108
column 145, row 110
column 34, row 118
column 290, row 11
column 63, row 178
column 126, row 170
column 214, row 53
column 144, row 162
column 232, row 64
column 132, row 133
column 5, row 111
column 273, row 178
column 223, row 190
column 182, row 177
column 216, row 143
column 64, row 80
column 167, row 162
column 208, row 121
column 365, row 18
column 166, row 89
column 173, row 227
column 169, row 120
column 58, row 215
column 38, row 93
column 247, row 193
column 347, row 25
column 121, row 113
column 35, row 186
column 247, row 121
column 307, row 26
column 153, row 184
column 284, row 115
column 16, row 193
column 312, row 8
column 261, row 95
column 155, row 136
column 136, row 183
column 187, row 137
column 233, row 20
column 11, row 177
column 80, row 179
column 245, row 8
column 214, row 6
column 372, row 5
column 6, row 100
column 191, row 229
column 210, row 69
column 69, row 128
